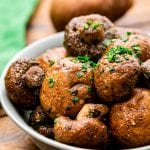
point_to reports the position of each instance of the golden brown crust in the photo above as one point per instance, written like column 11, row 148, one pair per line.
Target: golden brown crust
column 34, row 77
column 50, row 57
column 86, row 40
column 16, row 86
column 91, row 110
column 145, row 68
column 89, row 132
column 63, row 12
column 70, row 89
column 115, row 32
column 130, row 121
column 114, row 81
column 143, row 43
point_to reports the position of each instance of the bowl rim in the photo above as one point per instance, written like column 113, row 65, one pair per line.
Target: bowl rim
column 23, row 125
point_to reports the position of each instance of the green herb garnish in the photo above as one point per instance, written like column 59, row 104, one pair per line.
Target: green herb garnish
column 85, row 67
column 89, row 89
column 129, row 33
column 86, row 26
column 147, row 74
column 125, row 37
column 111, row 69
column 55, row 120
column 114, row 51
column 136, row 50
column 79, row 74
column 94, row 65
column 51, row 82
column 89, row 22
column 91, row 79
column 95, row 25
column 83, row 59
column 51, row 62
column 86, row 61
column 75, row 100
column 75, row 60
column 107, row 42
column 126, row 57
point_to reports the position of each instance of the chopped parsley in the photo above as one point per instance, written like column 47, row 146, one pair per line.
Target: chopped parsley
column 89, row 89
column 51, row 62
column 107, row 42
column 129, row 33
column 51, row 82
column 125, row 56
column 111, row 69
column 89, row 22
column 92, row 24
column 79, row 74
column 87, row 62
column 84, row 67
column 86, row 26
column 125, row 37
column 55, row 120
column 94, row 65
column 75, row 60
column 136, row 50
column 114, row 51
column 75, row 100
column 91, row 79
column 96, row 25
column 147, row 74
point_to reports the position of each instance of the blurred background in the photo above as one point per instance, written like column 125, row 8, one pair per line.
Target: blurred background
column 25, row 21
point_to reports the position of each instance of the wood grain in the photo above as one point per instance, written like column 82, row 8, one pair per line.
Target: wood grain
column 12, row 137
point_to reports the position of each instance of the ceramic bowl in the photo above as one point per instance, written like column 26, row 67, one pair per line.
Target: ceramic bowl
column 32, row 51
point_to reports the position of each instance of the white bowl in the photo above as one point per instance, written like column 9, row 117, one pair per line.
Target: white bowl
column 32, row 51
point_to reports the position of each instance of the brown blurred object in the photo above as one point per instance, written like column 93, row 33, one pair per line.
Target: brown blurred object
column 137, row 16
column 11, row 137
column 40, row 24
column 62, row 12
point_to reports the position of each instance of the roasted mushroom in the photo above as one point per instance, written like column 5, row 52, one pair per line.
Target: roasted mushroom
column 118, row 32
column 116, row 75
column 68, row 85
column 91, row 110
column 145, row 67
column 51, row 56
column 87, row 131
column 41, row 122
column 34, row 77
column 140, row 44
column 39, row 117
column 19, row 91
column 130, row 121
column 83, row 35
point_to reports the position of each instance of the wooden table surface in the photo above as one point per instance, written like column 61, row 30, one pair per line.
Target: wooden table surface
column 12, row 137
